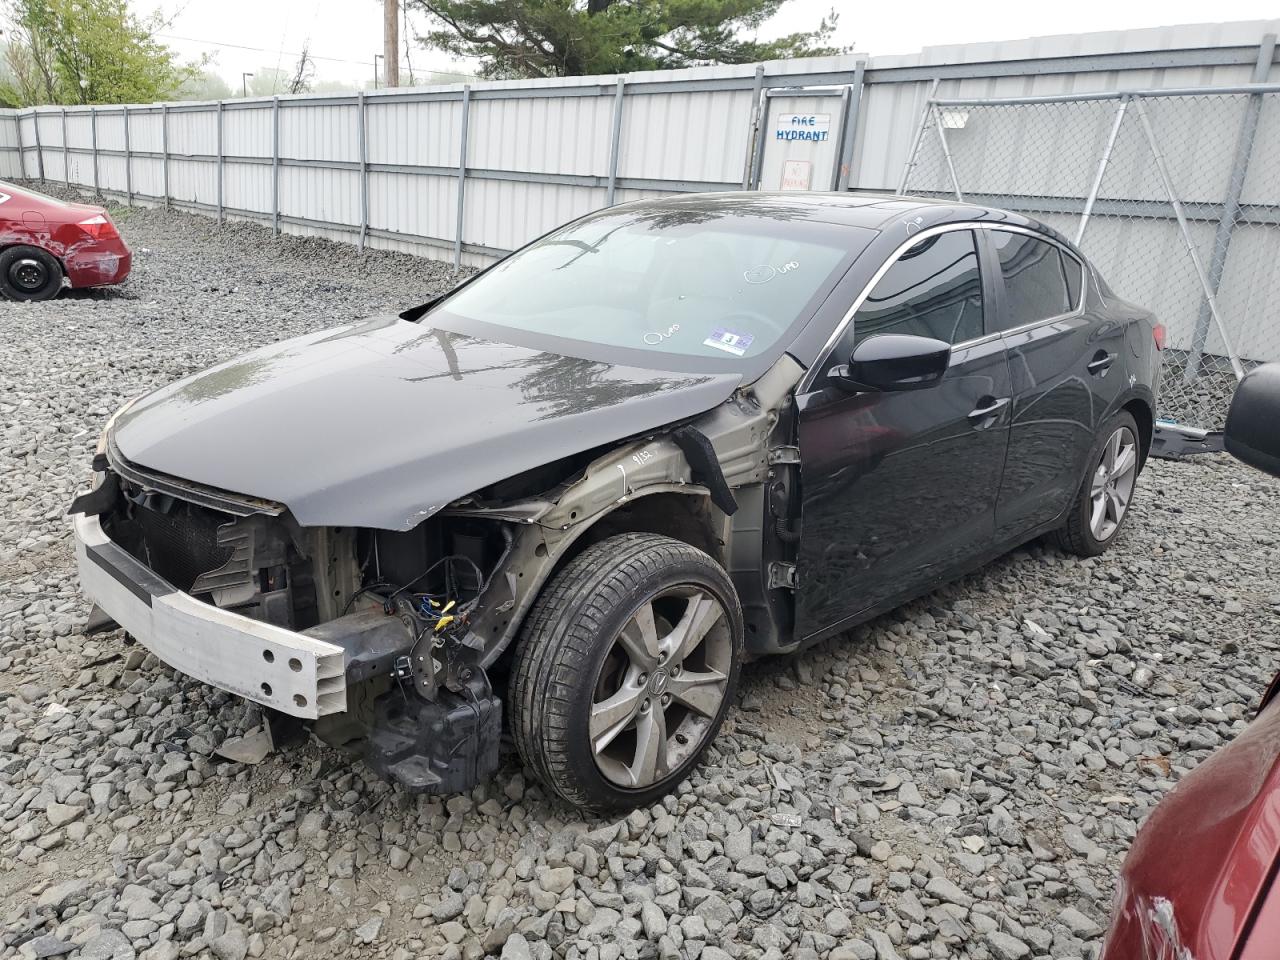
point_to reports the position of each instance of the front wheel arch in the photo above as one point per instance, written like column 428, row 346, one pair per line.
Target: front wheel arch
column 648, row 510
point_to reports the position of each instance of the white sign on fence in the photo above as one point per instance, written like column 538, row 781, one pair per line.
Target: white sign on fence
column 814, row 127
column 797, row 175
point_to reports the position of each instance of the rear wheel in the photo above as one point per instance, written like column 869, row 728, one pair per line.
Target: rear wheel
column 1102, row 502
column 625, row 670
column 28, row 273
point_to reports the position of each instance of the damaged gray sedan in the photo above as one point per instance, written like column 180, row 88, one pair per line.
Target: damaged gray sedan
column 583, row 487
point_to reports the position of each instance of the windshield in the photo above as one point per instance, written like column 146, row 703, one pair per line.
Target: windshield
column 665, row 280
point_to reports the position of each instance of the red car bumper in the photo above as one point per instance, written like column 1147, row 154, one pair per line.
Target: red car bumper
column 98, row 264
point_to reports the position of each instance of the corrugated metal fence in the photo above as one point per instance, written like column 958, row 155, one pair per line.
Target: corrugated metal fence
column 475, row 170
column 479, row 170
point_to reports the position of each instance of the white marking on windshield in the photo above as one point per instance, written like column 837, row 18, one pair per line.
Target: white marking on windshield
column 766, row 272
column 655, row 337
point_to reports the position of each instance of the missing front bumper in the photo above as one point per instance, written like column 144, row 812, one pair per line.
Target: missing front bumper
column 278, row 668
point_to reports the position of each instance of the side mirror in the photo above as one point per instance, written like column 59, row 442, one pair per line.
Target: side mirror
column 894, row 361
column 1252, row 435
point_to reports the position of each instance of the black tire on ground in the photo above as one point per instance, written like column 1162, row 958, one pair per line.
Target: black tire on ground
column 565, row 653
column 28, row 273
column 1076, row 534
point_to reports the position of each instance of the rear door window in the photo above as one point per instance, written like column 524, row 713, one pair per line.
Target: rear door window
column 1035, row 284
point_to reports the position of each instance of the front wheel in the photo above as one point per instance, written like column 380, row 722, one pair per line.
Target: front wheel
column 1102, row 503
column 625, row 670
column 29, row 273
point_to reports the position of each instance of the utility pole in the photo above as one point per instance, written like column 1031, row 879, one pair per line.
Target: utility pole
column 391, row 42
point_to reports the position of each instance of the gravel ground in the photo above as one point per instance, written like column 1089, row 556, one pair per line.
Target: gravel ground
column 959, row 778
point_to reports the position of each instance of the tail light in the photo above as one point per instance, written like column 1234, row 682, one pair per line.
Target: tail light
column 1157, row 334
column 99, row 227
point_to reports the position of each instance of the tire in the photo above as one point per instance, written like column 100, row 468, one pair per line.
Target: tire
column 28, row 273
column 1081, row 534
column 590, row 654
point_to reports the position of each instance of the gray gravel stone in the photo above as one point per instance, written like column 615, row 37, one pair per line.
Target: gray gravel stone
column 1005, row 947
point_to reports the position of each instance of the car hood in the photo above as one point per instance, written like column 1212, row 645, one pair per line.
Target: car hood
column 382, row 423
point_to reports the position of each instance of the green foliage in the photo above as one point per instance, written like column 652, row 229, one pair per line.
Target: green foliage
column 558, row 38
column 88, row 51
column 204, row 85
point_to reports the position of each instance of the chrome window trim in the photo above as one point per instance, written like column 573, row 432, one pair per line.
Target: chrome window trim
column 824, row 355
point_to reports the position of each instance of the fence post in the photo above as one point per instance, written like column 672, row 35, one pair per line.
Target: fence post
column 850, row 133
column 1231, row 205
column 164, row 150
column 1167, row 182
column 220, row 160
column 35, row 122
column 614, row 144
column 66, row 151
column 462, row 177
column 749, row 173
column 915, row 143
column 275, row 165
column 363, row 145
column 93, row 140
column 22, row 151
column 1102, row 168
column 128, row 162
column 946, row 152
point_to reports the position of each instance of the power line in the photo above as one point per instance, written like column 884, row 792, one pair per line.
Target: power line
column 313, row 56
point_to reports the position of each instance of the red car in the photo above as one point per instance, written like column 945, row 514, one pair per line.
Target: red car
column 45, row 243
column 1200, row 882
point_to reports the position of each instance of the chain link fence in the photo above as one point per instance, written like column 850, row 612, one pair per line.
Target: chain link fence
column 1173, row 195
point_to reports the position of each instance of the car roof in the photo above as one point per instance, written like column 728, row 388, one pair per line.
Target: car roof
column 869, row 211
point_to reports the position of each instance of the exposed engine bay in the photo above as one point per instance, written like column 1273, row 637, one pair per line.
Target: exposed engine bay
column 424, row 616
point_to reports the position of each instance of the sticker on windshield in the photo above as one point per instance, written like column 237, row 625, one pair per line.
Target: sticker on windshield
column 728, row 341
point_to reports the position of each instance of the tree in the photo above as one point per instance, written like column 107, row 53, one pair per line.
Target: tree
column 304, row 72
column 559, row 38
column 88, row 51
column 204, row 85
column 9, row 97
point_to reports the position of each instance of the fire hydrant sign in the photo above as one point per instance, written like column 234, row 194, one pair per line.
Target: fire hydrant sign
column 811, row 127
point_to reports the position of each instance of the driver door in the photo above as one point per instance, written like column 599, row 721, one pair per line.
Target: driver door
column 899, row 489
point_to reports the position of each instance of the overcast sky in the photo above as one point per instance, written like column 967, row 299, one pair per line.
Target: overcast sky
column 347, row 33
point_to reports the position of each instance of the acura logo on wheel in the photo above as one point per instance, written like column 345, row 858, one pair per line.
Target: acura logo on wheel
column 658, row 683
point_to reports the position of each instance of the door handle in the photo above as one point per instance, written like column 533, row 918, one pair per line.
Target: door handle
column 1101, row 363
column 991, row 408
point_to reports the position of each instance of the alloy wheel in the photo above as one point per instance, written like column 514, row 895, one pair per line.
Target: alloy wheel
column 661, row 686
column 1112, row 486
